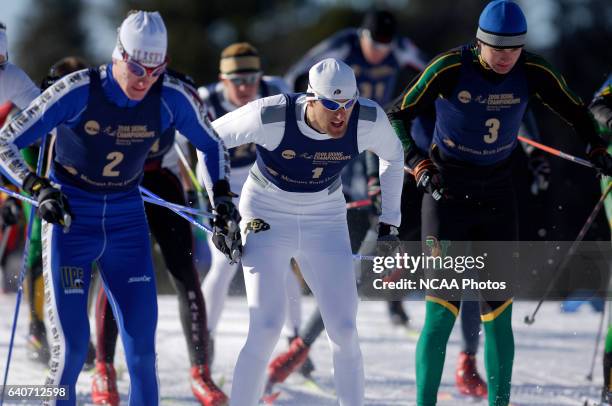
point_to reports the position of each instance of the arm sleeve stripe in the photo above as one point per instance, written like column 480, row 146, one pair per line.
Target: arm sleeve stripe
column 168, row 109
column 559, row 81
column 426, row 74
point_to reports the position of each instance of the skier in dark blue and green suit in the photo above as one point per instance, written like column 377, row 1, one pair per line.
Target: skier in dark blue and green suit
column 480, row 92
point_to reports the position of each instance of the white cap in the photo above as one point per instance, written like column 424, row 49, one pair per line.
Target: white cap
column 143, row 36
column 332, row 79
column 3, row 42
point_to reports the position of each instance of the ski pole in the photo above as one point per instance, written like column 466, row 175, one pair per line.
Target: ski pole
column 19, row 196
column 589, row 377
column 188, row 169
column 358, row 203
column 559, row 270
column 184, row 209
column 160, row 202
column 192, row 176
column 26, row 249
column 556, row 152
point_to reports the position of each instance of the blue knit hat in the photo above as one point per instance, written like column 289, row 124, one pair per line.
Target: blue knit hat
column 502, row 24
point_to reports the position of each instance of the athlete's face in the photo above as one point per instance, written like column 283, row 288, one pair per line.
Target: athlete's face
column 241, row 88
column 332, row 123
column 374, row 52
column 500, row 60
column 134, row 87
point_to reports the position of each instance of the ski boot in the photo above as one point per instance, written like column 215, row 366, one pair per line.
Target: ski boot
column 204, row 389
column 467, row 379
column 308, row 366
column 283, row 365
column 104, row 385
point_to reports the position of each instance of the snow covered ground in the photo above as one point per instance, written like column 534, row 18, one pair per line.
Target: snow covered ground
column 552, row 357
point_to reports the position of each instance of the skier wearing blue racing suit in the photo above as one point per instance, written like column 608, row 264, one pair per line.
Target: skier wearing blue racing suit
column 116, row 113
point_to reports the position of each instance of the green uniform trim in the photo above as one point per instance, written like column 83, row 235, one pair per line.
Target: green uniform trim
column 402, row 134
column 538, row 62
column 451, row 307
column 431, row 350
column 449, row 60
column 425, row 88
column 30, row 156
column 495, row 313
column 499, row 355
column 608, row 347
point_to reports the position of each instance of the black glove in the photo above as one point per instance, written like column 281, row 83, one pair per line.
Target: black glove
column 10, row 212
column 226, row 231
column 602, row 161
column 429, row 179
column 374, row 194
column 52, row 203
column 388, row 240
column 540, row 172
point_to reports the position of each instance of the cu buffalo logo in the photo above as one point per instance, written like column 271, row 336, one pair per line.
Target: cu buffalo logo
column 92, row 127
column 257, row 225
column 337, row 92
column 464, row 96
column 288, row 154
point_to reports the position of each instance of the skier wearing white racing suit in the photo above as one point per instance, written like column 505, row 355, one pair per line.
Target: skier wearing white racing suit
column 293, row 206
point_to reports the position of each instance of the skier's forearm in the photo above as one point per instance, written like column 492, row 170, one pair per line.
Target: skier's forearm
column 12, row 164
column 412, row 154
column 551, row 87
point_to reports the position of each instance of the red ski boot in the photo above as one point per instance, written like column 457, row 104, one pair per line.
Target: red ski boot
column 104, row 385
column 283, row 365
column 204, row 389
column 467, row 379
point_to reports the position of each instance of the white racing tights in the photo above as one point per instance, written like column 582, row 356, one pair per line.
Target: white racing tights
column 215, row 288
column 216, row 284
column 312, row 228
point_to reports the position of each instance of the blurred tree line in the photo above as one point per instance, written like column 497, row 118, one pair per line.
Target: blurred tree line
column 284, row 30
